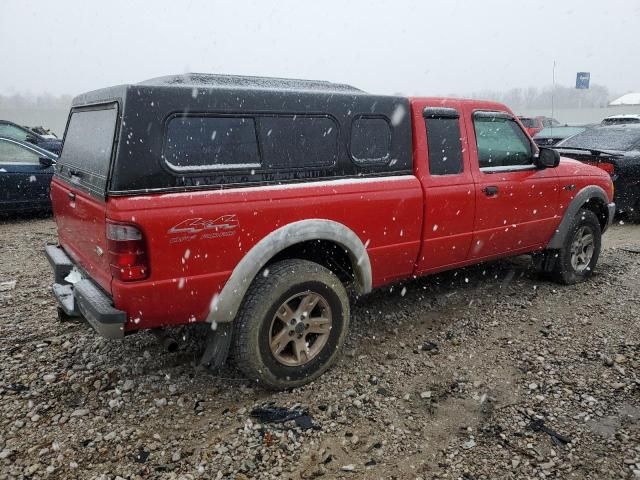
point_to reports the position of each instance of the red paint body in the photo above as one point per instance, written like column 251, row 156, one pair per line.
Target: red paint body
column 411, row 225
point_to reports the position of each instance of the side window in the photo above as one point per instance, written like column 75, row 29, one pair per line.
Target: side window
column 501, row 143
column 443, row 141
column 370, row 140
column 13, row 132
column 297, row 141
column 13, row 154
column 211, row 143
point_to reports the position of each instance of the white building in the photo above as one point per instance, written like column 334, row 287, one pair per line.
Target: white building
column 627, row 99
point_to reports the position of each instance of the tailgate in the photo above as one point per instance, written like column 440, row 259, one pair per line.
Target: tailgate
column 78, row 190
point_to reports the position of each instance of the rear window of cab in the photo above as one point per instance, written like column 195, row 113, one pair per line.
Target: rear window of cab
column 209, row 143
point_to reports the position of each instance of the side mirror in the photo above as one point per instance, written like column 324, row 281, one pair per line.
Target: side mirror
column 31, row 139
column 548, row 158
column 46, row 162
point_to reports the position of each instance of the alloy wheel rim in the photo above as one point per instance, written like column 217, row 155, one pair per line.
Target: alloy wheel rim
column 300, row 329
column 582, row 249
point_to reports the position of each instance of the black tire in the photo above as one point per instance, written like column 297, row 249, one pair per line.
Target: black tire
column 564, row 270
column 634, row 214
column 251, row 348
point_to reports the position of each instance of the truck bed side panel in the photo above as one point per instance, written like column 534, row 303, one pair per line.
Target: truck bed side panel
column 190, row 263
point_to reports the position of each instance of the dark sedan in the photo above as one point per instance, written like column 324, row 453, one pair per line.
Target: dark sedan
column 615, row 149
column 550, row 136
column 23, row 134
column 25, row 176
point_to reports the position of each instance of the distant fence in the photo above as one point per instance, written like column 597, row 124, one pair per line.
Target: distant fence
column 581, row 115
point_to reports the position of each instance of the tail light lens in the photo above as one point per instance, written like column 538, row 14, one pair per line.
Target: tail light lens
column 127, row 252
column 607, row 167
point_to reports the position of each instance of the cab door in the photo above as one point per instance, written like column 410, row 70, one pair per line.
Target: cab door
column 516, row 201
column 443, row 167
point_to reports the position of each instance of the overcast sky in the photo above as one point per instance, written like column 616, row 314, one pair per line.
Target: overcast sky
column 413, row 47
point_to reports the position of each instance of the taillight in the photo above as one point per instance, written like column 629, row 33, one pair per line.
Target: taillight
column 610, row 168
column 127, row 252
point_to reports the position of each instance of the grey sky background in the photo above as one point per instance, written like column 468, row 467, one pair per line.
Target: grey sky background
column 412, row 47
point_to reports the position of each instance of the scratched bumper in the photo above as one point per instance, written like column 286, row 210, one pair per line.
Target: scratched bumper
column 84, row 298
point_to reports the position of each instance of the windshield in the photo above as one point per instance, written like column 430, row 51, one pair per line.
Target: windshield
column 559, row 132
column 607, row 138
column 13, row 131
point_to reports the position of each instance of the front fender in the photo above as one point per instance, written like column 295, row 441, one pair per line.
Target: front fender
column 589, row 193
column 225, row 305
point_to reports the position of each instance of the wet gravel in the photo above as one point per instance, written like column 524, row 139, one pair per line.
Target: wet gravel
column 482, row 373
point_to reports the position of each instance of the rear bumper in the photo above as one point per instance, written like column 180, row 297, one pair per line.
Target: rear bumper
column 612, row 213
column 84, row 298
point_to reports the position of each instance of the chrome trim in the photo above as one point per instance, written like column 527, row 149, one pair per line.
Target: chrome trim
column 508, row 168
column 273, row 183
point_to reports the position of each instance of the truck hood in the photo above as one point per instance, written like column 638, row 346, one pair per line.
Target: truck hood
column 570, row 166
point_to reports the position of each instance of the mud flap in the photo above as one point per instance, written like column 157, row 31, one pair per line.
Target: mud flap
column 545, row 262
column 217, row 346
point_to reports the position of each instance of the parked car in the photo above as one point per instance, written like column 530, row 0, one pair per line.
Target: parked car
column 533, row 125
column 24, row 134
column 550, row 122
column 549, row 136
column 621, row 119
column 43, row 132
column 254, row 204
column 25, row 176
column 616, row 150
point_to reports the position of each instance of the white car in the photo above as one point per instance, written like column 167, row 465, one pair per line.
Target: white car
column 621, row 119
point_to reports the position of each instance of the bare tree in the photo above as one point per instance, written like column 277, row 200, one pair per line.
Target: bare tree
column 563, row 97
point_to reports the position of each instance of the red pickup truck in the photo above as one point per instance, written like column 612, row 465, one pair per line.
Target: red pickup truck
column 256, row 204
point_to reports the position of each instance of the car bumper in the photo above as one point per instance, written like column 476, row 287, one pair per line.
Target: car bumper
column 84, row 298
column 612, row 213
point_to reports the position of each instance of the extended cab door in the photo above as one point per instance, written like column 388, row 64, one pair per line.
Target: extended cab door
column 443, row 166
column 516, row 201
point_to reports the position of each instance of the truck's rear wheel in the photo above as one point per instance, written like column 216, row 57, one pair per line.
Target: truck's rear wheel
column 291, row 325
column 579, row 254
column 634, row 214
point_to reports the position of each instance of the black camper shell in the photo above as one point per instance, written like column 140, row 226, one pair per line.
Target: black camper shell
column 197, row 131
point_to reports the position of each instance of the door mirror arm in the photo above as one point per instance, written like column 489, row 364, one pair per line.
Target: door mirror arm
column 46, row 162
column 547, row 158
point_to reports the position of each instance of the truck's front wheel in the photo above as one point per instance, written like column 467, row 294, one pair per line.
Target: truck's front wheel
column 578, row 256
column 291, row 325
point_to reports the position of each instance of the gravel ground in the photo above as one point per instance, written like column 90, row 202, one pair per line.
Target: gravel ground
column 446, row 377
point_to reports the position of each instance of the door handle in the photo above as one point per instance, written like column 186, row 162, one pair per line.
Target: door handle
column 71, row 195
column 490, row 191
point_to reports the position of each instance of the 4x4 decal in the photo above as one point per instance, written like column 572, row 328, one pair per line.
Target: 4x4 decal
column 223, row 226
column 195, row 225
